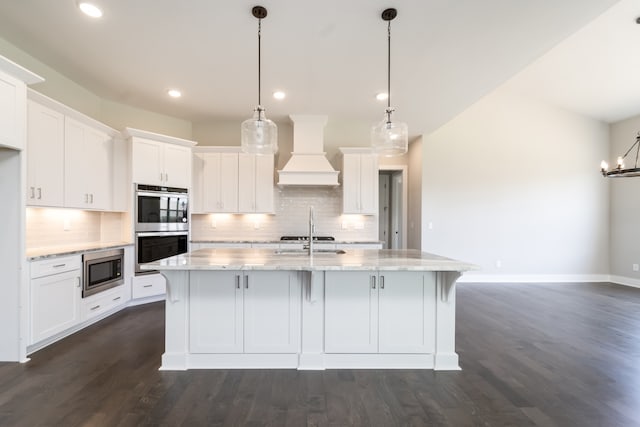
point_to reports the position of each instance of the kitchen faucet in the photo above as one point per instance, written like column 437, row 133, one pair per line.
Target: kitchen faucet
column 312, row 228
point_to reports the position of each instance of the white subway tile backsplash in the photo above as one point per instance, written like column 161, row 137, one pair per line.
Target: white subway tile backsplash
column 291, row 218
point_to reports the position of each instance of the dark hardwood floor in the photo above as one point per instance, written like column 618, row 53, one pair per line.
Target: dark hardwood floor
column 532, row 355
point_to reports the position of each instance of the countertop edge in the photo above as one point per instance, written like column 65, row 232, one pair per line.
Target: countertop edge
column 76, row 251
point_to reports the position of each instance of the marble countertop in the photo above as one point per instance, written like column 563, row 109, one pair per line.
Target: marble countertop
column 268, row 259
column 329, row 242
column 80, row 248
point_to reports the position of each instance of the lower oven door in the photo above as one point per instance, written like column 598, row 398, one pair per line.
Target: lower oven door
column 153, row 246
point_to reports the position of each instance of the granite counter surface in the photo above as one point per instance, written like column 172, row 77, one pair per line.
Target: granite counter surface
column 56, row 251
column 269, row 259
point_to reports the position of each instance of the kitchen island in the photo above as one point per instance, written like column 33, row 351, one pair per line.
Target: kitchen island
column 260, row 308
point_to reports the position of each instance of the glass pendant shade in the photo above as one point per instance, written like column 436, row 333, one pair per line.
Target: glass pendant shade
column 390, row 138
column 259, row 135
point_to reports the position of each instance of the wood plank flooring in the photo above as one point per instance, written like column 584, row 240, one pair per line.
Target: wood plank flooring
column 532, row 355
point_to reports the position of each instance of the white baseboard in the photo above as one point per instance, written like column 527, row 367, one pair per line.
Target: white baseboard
column 626, row 281
column 549, row 278
column 533, row 278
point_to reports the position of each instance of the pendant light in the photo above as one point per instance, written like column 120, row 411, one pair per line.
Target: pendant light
column 389, row 138
column 259, row 135
column 620, row 171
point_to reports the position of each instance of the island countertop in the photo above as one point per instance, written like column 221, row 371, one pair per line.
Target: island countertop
column 269, row 259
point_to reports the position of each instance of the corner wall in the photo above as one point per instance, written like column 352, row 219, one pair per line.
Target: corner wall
column 625, row 206
column 512, row 185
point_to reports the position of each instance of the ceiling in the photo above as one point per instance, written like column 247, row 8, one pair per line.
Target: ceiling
column 329, row 57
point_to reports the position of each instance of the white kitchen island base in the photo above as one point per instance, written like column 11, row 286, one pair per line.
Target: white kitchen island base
column 227, row 314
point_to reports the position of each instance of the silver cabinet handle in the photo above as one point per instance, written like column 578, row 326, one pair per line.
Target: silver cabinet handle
column 91, row 197
column 33, row 192
column 78, row 281
column 237, row 281
column 86, row 198
column 39, row 193
column 246, row 282
column 147, row 286
column 166, row 177
column 381, row 282
column 117, row 298
column 373, row 282
column 161, row 177
column 59, row 265
column 95, row 308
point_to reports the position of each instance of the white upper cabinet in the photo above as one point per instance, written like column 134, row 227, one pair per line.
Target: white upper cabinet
column 159, row 159
column 88, row 156
column 255, row 183
column 12, row 111
column 227, row 181
column 45, row 156
column 360, row 181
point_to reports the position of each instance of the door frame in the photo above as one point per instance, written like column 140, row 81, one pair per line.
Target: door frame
column 405, row 191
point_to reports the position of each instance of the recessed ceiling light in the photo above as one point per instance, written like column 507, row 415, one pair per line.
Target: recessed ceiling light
column 90, row 9
column 174, row 93
column 279, row 94
column 382, row 96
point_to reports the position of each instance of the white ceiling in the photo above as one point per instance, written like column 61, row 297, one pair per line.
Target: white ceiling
column 329, row 56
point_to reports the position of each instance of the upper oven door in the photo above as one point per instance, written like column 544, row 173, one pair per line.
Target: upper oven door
column 162, row 211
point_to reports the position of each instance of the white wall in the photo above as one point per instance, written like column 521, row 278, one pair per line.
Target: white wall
column 414, row 203
column 515, row 180
column 625, row 206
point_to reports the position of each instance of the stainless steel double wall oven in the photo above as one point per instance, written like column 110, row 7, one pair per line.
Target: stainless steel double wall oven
column 161, row 223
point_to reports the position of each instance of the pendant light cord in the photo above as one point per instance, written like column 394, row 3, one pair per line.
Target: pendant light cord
column 389, row 72
column 259, row 59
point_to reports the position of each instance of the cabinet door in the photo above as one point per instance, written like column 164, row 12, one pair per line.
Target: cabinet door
column 407, row 312
column 228, row 182
column 54, row 304
column 45, row 156
column 76, row 194
column 351, row 184
column 351, row 312
column 271, row 312
column 197, row 183
column 13, row 97
column 369, row 184
column 146, row 161
column 264, row 184
column 211, row 183
column 215, row 312
column 246, row 182
column 177, row 166
column 98, row 150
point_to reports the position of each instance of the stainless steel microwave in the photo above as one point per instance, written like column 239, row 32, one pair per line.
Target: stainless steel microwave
column 161, row 208
column 102, row 270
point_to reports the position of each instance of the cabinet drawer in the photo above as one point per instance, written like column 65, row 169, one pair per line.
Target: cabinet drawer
column 148, row 286
column 56, row 265
column 98, row 304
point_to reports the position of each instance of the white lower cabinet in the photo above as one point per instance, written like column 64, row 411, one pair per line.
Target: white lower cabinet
column 148, row 285
column 380, row 312
column 244, row 312
column 98, row 304
column 56, row 288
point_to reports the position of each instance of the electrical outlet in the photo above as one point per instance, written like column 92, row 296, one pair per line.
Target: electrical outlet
column 636, row 267
column 359, row 225
column 214, row 223
column 498, row 263
column 430, row 225
column 345, row 225
column 66, row 224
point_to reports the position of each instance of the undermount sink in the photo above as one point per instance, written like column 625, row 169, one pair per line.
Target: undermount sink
column 305, row 252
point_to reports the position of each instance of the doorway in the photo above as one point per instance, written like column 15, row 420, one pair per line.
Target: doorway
column 392, row 207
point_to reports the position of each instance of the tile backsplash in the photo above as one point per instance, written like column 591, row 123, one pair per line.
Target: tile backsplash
column 291, row 218
column 49, row 227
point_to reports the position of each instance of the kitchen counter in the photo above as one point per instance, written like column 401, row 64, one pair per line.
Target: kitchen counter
column 255, row 308
column 55, row 251
column 278, row 241
column 270, row 259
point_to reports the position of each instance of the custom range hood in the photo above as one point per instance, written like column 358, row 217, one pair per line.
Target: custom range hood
column 308, row 165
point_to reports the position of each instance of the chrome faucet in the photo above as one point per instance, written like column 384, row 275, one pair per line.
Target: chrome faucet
column 312, row 229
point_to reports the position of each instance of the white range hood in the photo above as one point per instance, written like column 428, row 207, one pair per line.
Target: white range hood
column 308, row 164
